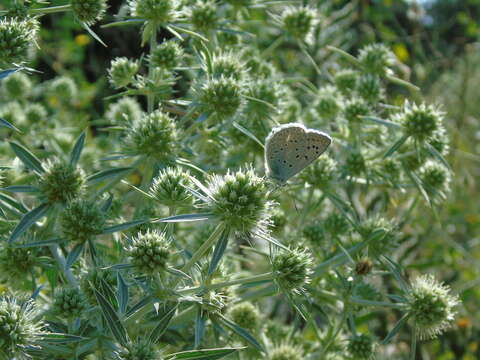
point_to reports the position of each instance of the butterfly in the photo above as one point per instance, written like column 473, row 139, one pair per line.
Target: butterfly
column 290, row 148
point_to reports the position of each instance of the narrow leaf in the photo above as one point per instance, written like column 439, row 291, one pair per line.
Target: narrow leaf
column 29, row 160
column 13, row 203
column 122, row 293
column 162, row 326
column 124, row 226
column 40, row 243
column 220, row 248
column 398, row 326
column 27, row 221
column 105, row 207
column 77, row 149
column 248, row 133
column 106, row 174
column 200, row 322
column 382, row 122
column 185, row 218
column 438, row 156
column 21, row 189
column 8, row 72
column 112, row 319
column 59, row 338
column 396, row 146
column 6, row 124
column 241, row 332
column 73, row 255
column 92, row 33
column 206, row 354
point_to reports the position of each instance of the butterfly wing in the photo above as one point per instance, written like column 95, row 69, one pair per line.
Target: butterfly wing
column 291, row 148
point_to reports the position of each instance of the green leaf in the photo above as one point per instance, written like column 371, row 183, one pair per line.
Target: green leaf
column 398, row 326
column 27, row 221
column 8, row 72
column 77, row 149
column 112, row 319
column 162, row 326
column 206, row 354
column 105, row 207
column 240, row 332
column 123, row 23
column 396, row 146
column 49, row 242
column 93, row 34
column 200, row 322
column 107, row 174
column 59, row 338
column 185, row 218
column 248, row 133
column 73, row 255
column 11, row 202
column 21, row 189
column 124, row 226
column 28, row 159
column 382, row 122
column 434, row 152
column 6, row 124
column 186, row 31
column 122, row 293
column 219, row 251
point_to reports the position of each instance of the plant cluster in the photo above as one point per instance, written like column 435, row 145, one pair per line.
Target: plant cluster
column 152, row 232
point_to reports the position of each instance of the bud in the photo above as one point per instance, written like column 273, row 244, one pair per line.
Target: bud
column 170, row 187
column 420, row 121
column 61, row 182
column 69, row 303
column 138, row 350
column 16, row 36
column 226, row 64
column 240, row 200
column 346, row 80
column 314, row 234
column 203, row 15
column 336, row 224
column 19, row 328
column 155, row 136
column 126, row 110
column 370, row 88
column 293, row 268
column 16, row 86
column 435, row 179
column 16, row 263
column 122, row 72
column 89, row 11
column 222, row 97
column 149, row 252
column 361, row 347
column 327, row 103
column 354, row 109
column 245, row 315
column 81, row 221
column 272, row 99
column 158, row 11
column 363, row 267
column 13, row 113
column 286, row 352
column 36, row 113
column 64, row 88
column 354, row 164
column 321, row 173
column 298, row 22
column 431, row 306
column 377, row 59
column 381, row 233
column 167, row 55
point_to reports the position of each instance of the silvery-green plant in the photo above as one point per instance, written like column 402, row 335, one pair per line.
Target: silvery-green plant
column 167, row 239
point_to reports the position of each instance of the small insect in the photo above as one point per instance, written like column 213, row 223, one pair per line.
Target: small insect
column 290, row 148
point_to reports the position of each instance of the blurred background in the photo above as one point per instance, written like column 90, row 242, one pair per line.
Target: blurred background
column 437, row 43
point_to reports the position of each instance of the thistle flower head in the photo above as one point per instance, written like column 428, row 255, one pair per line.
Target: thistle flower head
column 293, row 268
column 155, row 136
column 69, row 303
column 17, row 86
column 170, row 187
column 167, row 55
column 381, row 233
column 16, row 36
column 377, row 59
column 272, row 99
column 370, row 88
column 336, row 224
column 361, row 347
column 35, row 113
column 245, row 315
column 321, row 172
column 16, row 262
column 314, row 233
column 203, row 15
column 239, row 200
column 228, row 65
column 122, row 72
column 94, row 279
column 220, row 96
column 354, row 164
column 64, row 88
column 346, row 80
column 61, row 182
column 81, row 221
column 431, row 306
column 299, row 22
column 88, row 11
column 138, row 350
column 13, row 113
column 159, row 11
column 435, row 179
column 354, row 109
column 149, row 252
column 420, row 121
column 328, row 102
column 125, row 110
column 363, row 267
column 19, row 327
column 286, row 352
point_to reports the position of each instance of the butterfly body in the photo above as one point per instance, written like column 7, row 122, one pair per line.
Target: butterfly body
column 290, row 148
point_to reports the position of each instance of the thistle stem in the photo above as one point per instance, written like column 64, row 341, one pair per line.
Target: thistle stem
column 58, row 255
column 153, row 46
